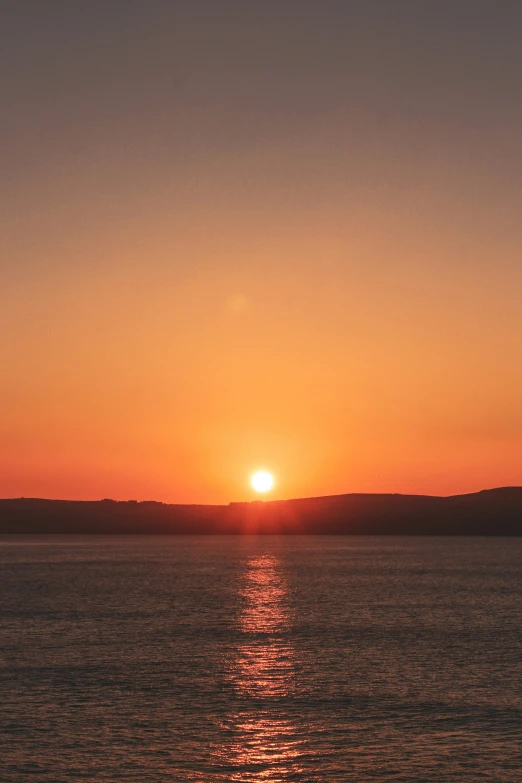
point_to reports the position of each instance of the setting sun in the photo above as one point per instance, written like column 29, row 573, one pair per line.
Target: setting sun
column 262, row 481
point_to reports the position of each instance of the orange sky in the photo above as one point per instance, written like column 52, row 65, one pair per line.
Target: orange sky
column 215, row 262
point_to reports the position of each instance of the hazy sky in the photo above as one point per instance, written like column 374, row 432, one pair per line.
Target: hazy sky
column 282, row 234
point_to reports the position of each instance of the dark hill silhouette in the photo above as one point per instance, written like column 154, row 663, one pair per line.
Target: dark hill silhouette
column 494, row 512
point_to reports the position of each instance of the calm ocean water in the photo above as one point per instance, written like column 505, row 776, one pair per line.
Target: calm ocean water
column 267, row 659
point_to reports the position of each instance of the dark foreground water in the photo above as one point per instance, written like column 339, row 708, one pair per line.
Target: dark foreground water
column 260, row 659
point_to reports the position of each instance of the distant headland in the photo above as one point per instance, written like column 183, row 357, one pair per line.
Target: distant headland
column 493, row 512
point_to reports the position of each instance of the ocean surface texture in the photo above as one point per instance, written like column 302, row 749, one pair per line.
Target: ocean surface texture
column 267, row 659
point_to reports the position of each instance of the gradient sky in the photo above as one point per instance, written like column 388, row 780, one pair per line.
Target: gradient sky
column 260, row 234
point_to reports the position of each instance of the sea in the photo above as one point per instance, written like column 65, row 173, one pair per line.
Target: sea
column 260, row 659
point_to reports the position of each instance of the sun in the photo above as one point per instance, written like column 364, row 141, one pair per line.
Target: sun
column 262, row 481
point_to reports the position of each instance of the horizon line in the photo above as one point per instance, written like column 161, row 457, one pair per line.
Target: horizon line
column 267, row 501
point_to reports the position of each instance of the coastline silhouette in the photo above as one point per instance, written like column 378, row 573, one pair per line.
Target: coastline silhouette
column 494, row 512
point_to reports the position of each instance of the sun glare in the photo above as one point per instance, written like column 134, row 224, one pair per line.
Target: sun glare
column 262, row 481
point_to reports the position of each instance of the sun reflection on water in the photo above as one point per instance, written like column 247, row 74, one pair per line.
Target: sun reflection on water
column 266, row 745
column 268, row 751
